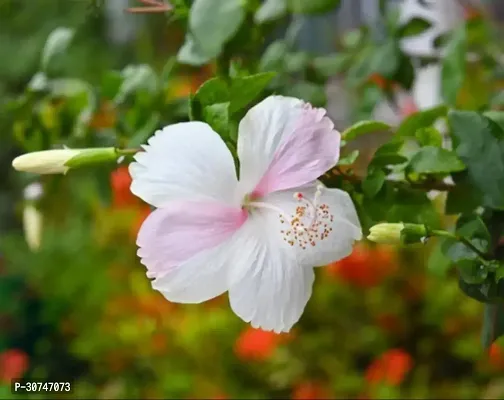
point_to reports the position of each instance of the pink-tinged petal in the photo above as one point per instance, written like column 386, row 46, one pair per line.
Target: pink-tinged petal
column 283, row 143
column 171, row 238
column 185, row 161
column 267, row 286
column 320, row 240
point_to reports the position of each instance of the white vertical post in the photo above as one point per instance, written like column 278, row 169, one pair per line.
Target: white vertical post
column 444, row 15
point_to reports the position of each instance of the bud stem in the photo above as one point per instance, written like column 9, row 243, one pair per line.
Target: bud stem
column 461, row 239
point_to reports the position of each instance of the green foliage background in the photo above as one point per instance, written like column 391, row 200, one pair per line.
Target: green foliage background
column 80, row 306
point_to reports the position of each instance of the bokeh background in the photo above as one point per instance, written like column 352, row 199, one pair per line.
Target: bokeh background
column 75, row 304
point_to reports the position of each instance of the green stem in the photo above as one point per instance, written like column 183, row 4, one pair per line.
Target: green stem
column 461, row 239
column 127, row 152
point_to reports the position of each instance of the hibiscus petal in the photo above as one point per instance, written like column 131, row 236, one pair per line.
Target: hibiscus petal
column 184, row 161
column 329, row 237
column 268, row 287
column 181, row 246
column 283, row 142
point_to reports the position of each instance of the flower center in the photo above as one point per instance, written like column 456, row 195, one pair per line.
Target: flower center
column 309, row 223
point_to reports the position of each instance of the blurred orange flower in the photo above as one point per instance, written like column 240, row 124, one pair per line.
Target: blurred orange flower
column 390, row 368
column 120, row 181
column 366, row 266
column 379, row 80
column 310, row 391
column 256, row 344
column 105, row 117
column 13, row 364
column 496, row 357
column 471, row 13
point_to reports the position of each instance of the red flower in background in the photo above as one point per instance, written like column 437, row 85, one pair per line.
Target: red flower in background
column 366, row 266
column 120, row 181
column 496, row 357
column 390, row 368
column 13, row 364
column 309, row 391
column 256, row 344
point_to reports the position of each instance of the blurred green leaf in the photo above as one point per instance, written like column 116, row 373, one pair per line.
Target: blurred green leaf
column 435, row 160
column 373, row 182
column 349, row 159
column 273, row 57
column 212, row 23
column 453, row 67
column 313, row 6
column 331, row 65
column 420, row 119
column 192, row 54
column 479, row 142
column 414, row 27
column 136, row 77
column 438, row 264
column 429, row 136
column 308, row 91
column 56, row 43
column 364, row 127
column 270, row 10
column 145, row 132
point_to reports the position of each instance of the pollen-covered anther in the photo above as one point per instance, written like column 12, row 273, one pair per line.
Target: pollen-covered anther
column 310, row 221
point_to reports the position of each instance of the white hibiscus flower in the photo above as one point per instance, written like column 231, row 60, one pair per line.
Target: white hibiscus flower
column 258, row 237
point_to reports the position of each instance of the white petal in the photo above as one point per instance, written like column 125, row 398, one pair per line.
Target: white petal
column 268, row 287
column 184, row 161
column 284, row 142
column 332, row 235
column 201, row 278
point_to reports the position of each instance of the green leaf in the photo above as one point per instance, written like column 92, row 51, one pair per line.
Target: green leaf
column 270, row 10
column 246, row 89
column 499, row 273
column 383, row 60
column 56, row 43
column 438, row 264
column 331, row 65
column 145, row 132
column 349, row 159
column 479, row 142
column 214, row 90
column 192, row 53
column 496, row 116
column 213, row 23
column 217, row 116
column 421, row 119
column 493, row 324
column 364, row 127
column 313, row 6
column 308, row 91
column 373, row 182
column 453, row 67
column 387, row 154
column 464, row 197
column 474, row 229
column 414, row 27
column 429, row 136
column 471, row 271
column 136, row 77
column 297, row 62
column 435, row 160
column 274, row 57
